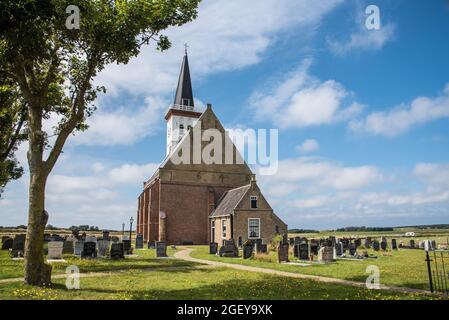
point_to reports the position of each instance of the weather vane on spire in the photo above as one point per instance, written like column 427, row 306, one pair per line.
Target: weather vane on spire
column 185, row 47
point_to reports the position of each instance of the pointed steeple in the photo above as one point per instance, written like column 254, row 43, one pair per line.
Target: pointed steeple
column 184, row 94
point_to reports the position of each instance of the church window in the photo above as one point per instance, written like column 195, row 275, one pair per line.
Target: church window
column 185, row 102
column 223, row 228
column 254, row 228
column 253, row 202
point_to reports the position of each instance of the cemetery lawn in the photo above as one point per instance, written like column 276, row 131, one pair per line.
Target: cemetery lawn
column 192, row 282
column 404, row 268
column 145, row 260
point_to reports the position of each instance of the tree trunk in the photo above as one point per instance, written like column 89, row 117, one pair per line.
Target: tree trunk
column 36, row 271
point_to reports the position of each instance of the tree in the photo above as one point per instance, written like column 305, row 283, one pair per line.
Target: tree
column 54, row 66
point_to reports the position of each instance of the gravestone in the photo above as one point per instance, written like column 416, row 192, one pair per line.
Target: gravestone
column 4, row 238
column 151, row 245
column 89, row 250
column 247, row 250
column 394, row 245
column 358, row 242
column 376, row 245
column 67, row 248
column 55, row 249
column 314, row 247
column 291, row 241
column 115, row 239
column 103, row 248
column 297, row 241
column 352, row 249
column 412, row 244
column 296, row 250
column 213, row 248
column 78, row 248
column 161, row 249
column 339, row 249
column 228, row 249
column 367, row 243
column 7, row 244
column 127, row 246
column 283, row 252
column 303, row 251
column 326, row 254
column 261, row 248
column 106, row 235
column 117, row 251
column 383, row 244
column 434, row 244
column 18, row 246
column 139, row 241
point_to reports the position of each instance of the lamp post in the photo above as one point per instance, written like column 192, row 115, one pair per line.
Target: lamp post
column 131, row 220
column 123, row 229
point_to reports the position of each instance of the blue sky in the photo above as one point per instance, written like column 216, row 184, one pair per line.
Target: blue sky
column 362, row 114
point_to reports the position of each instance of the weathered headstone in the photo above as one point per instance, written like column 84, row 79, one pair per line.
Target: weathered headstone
column 161, row 249
column 367, row 243
column 352, row 249
column 358, row 242
column 383, row 244
column 18, row 246
column 394, row 245
column 89, row 250
column 106, row 235
column 376, row 245
column 78, row 248
column 247, row 250
column 261, row 248
column 303, row 251
column 228, row 249
column 67, row 248
column 213, row 248
column 326, row 254
column 339, row 249
column 117, row 251
column 103, row 248
column 412, row 244
column 283, row 252
column 139, row 241
column 7, row 244
column 127, row 246
column 314, row 247
column 115, row 239
column 151, row 245
column 55, row 249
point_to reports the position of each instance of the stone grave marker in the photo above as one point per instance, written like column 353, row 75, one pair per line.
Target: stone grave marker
column 358, row 242
column 7, row 244
column 376, row 245
column 394, row 244
column 367, row 243
column 67, row 247
column 106, row 235
column 78, row 248
column 139, row 241
column 352, row 249
column 103, row 248
column 4, row 238
column 247, row 250
column 117, row 251
column 55, row 249
column 296, row 250
column 127, row 246
column 339, row 249
column 161, row 249
column 228, row 249
column 303, row 251
column 412, row 244
column 115, row 239
column 283, row 252
column 261, row 248
column 18, row 246
column 291, row 241
column 326, row 254
column 383, row 244
column 89, row 250
column 213, row 248
column 314, row 247
column 151, row 245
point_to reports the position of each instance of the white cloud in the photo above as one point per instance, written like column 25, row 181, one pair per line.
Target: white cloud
column 309, row 145
column 436, row 175
column 401, row 119
column 364, row 39
column 227, row 35
column 301, row 100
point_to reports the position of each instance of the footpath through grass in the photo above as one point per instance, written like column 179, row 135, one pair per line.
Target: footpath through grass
column 404, row 268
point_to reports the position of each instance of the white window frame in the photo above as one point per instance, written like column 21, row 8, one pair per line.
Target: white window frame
column 251, row 198
column 260, row 229
column 225, row 233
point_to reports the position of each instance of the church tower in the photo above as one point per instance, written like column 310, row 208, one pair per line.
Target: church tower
column 181, row 115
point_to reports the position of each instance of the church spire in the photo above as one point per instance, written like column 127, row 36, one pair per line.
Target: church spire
column 184, row 94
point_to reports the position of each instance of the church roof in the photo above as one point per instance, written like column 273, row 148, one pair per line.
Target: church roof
column 229, row 201
column 184, row 89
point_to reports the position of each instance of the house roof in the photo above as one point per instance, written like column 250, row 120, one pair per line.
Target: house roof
column 229, row 201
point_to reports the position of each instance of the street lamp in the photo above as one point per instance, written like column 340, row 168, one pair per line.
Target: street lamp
column 131, row 220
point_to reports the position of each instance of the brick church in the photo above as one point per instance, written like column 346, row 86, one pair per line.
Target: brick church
column 198, row 203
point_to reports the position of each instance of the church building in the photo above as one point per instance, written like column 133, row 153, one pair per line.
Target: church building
column 199, row 203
